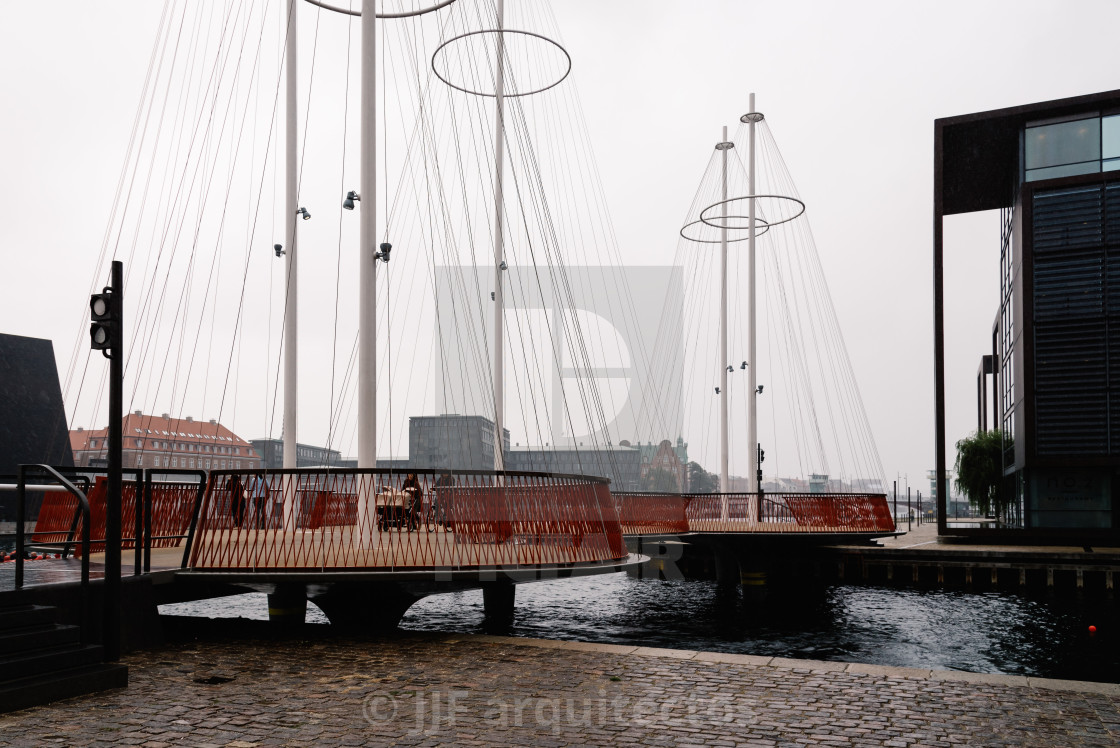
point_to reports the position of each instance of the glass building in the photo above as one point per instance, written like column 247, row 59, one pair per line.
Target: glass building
column 1053, row 171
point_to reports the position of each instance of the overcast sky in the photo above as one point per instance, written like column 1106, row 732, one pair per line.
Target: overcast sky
column 850, row 91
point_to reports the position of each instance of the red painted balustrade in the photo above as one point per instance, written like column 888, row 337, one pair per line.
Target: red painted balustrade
column 382, row 520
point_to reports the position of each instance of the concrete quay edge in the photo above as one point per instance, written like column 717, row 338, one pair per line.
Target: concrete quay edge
column 890, row 671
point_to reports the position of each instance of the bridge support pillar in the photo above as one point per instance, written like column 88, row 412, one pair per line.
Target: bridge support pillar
column 497, row 604
column 727, row 567
column 287, row 605
column 752, row 577
column 364, row 607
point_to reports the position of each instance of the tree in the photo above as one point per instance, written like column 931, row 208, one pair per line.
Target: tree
column 700, row 480
column 979, row 470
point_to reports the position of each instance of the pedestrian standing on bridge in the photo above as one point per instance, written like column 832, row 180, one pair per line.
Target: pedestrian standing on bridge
column 415, row 493
column 236, row 498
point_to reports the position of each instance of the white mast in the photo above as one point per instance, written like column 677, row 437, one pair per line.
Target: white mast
column 291, row 254
column 367, row 238
column 752, row 338
column 724, row 146
column 499, row 249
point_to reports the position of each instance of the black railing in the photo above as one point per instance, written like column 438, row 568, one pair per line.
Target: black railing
column 49, row 473
column 146, row 509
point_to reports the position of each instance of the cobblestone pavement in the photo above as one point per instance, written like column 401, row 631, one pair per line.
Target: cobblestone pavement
column 483, row 690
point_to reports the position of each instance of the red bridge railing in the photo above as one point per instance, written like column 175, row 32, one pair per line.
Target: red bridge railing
column 382, row 520
column 59, row 521
column 652, row 514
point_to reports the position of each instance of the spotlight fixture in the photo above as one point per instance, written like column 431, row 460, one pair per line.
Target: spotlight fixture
column 743, row 365
column 303, row 212
column 717, row 390
column 351, row 197
column 383, row 255
column 730, row 368
column 278, row 249
column 759, row 390
column 503, row 265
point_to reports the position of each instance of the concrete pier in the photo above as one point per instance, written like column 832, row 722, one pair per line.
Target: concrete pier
column 920, row 557
column 492, row 690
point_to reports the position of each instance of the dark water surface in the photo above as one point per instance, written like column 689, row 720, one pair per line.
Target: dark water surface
column 982, row 632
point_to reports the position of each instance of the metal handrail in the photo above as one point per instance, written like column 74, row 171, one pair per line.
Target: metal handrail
column 83, row 503
column 203, row 481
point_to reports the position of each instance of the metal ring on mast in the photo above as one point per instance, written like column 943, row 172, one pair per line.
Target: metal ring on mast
column 761, row 227
column 713, row 221
column 554, row 43
column 407, row 14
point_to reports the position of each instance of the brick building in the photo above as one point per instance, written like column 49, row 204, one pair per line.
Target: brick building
column 164, row 442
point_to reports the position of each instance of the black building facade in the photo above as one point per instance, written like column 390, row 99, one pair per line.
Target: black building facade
column 1053, row 170
column 32, row 416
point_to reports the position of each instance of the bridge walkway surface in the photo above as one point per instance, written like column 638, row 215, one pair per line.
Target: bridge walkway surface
column 437, row 689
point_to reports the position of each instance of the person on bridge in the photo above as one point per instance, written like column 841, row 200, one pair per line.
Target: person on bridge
column 236, row 498
column 436, row 500
column 259, row 499
column 411, row 487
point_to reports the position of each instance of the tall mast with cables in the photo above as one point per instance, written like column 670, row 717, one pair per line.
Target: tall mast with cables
column 291, row 384
column 367, row 238
column 724, row 146
column 752, row 118
column 499, row 248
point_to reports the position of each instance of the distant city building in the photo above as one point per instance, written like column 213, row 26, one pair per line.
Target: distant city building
column 621, row 465
column 164, row 442
column 307, row 456
column 660, row 460
column 1053, row 171
column 453, row 442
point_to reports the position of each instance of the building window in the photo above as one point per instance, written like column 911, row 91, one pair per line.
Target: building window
column 1110, row 142
column 1063, row 149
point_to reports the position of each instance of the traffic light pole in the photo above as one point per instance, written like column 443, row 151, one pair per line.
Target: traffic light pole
column 111, row 630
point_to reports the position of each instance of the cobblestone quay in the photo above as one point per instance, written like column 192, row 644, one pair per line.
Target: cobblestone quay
column 487, row 690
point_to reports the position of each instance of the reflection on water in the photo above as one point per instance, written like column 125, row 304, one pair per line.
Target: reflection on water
column 978, row 632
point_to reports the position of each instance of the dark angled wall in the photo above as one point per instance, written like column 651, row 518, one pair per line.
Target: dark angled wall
column 32, row 418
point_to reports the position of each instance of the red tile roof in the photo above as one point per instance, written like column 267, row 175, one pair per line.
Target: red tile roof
column 158, row 427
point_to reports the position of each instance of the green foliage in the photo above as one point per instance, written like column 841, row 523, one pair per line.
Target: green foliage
column 700, row 480
column 661, row 481
column 979, row 471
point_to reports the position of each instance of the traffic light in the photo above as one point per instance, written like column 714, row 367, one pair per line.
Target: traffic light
column 103, row 320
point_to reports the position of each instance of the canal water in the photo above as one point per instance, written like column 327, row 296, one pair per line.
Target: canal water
column 981, row 632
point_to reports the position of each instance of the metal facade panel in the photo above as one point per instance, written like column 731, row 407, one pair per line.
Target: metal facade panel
column 1071, row 331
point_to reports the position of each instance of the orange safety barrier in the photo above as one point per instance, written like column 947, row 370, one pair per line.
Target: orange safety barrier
column 55, row 525
column 855, row 512
column 172, row 505
column 57, row 514
column 382, row 520
column 652, row 513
